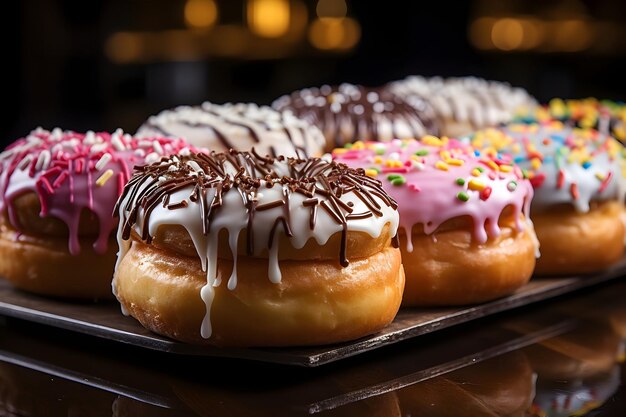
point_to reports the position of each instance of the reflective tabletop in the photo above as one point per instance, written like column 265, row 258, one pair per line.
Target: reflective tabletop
column 562, row 357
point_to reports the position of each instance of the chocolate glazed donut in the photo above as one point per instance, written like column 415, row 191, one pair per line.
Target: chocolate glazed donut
column 304, row 245
column 347, row 113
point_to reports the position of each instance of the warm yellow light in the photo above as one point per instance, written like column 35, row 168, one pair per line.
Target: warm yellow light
column 480, row 32
column 268, row 18
column 331, row 8
column 507, row 34
column 534, row 33
column 572, row 35
column 123, row 47
column 334, row 33
column 200, row 14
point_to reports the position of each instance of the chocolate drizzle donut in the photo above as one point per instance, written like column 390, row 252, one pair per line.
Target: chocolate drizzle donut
column 347, row 113
column 263, row 199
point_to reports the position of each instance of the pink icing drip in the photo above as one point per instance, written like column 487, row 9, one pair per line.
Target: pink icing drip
column 437, row 201
column 67, row 184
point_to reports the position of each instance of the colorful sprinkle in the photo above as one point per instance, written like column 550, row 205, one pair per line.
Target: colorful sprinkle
column 421, row 152
column 511, row 186
column 104, row 177
column 371, row 173
column 573, row 190
column 441, row 165
column 463, row 196
column 476, row 185
column 560, row 179
column 460, row 181
column 400, row 180
column 484, row 194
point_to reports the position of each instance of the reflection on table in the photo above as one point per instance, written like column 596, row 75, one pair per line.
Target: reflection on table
column 559, row 358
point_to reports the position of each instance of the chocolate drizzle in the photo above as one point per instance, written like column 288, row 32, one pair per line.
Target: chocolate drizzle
column 348, row 113
column 213, row 176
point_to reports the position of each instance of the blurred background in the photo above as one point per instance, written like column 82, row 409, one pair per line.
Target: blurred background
column 103, row 64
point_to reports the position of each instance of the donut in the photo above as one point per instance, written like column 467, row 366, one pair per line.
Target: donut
column 347, row 113
column 465, row 104
column 238, row 249
column 58, row 194
column 240, row 126
column 500, row 386
column 463, row 234
column 577, row 176
column 609, row 117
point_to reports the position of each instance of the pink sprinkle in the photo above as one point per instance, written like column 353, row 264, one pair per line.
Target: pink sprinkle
column 120, row 183
column 52, row 171
column 125, row 168
column 414, row 187
column 60, row 179
column 78, row 168
column 606, row 181
column 46, row 184
column 351, row 155
column 492, row 175
column 408, row 163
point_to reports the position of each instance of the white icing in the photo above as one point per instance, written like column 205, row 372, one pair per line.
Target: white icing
column 466, row 99
column 279, row 133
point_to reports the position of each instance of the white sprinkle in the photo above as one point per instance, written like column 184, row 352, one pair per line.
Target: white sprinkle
column 103, row 161
column 117, row 142
column 70, row 144
column 90, row 138
column 43, row 160
column 184, row 152
column 394, row 156
column 127, row 138
column 172, row 168
column 39, row 130
column 140, row 153
column 151, row 158
column 144, row 144
column 57, row 134
column 194, row 165
column 378, row 107
column 327, row 157
column 419, row 166
column 157, row 147
column 25, row 162
column 98, row 147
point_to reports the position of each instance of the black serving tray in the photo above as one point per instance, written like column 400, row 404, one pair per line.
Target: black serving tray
column 106, row 321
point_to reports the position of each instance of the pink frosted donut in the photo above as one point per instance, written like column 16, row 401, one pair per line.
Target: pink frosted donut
column 58, row 190
column 464, row 233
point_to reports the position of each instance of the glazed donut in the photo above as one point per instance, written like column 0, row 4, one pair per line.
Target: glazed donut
column 465, row 104
column 241, row 126
column 347, row 113
column 239, row 249
column 606, row 116
column 58, row 194
column 500, row 386
column 577, row 176
column 463, row 230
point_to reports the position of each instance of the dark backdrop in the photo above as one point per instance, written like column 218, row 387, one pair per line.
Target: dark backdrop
column 56, row 72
